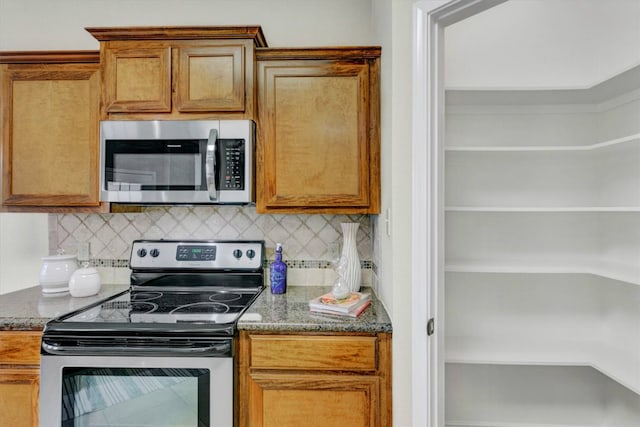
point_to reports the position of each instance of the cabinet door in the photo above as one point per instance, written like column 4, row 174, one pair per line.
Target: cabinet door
column 210, row 78
column 19, row 378
column 318, row 147
column 137, row 79
column 314, row 380
column 19, row 390
column 50, row 135
column 277, row 400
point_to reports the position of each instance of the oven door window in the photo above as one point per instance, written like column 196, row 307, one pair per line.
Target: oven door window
column 135, row 396
column 157, row 165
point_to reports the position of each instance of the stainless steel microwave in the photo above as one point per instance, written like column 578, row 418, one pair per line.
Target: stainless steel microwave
column 177, row 161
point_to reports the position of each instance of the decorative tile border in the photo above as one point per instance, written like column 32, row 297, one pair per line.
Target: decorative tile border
column 109, row 263
column 302, row 264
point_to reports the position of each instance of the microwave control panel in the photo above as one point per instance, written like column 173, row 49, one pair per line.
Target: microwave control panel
column 232, row 164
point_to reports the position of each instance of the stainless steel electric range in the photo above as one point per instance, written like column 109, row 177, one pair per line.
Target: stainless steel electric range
column 160, row 353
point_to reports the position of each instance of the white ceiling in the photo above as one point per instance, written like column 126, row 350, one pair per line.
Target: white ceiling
column 543, row 44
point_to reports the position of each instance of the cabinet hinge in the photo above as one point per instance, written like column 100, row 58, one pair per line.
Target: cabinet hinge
column 431, row 326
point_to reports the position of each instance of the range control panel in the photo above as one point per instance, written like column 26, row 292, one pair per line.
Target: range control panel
column 197, row 254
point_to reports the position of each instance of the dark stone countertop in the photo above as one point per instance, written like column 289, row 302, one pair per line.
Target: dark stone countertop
column 30, row 309
column 290, row 313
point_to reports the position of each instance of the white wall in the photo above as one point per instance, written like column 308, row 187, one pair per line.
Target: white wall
column 23, row 242
column 543, row 44
column 50, row 25
column 393, row 22
column 47, row 25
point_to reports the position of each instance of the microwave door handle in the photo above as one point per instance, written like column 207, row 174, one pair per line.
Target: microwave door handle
column 210, row 164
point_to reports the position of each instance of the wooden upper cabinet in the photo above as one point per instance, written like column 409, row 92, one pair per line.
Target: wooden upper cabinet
column 50, row 106
column 211, row 78
column 319, row 140
column 137, row 79
column 173, row 71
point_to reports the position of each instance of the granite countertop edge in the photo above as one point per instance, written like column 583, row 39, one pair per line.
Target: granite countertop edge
column 22, row 324
column 334, row 326
column 290, row 313
column 30, row 310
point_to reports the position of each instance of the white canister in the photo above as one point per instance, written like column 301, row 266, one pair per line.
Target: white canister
column 84, row 282
column 56, row 271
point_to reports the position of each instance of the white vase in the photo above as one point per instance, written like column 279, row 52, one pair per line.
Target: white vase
column 349, row 264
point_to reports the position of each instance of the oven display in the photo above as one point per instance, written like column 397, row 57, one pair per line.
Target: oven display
column 195, row 253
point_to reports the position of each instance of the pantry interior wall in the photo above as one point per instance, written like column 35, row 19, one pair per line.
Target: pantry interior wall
column 541, row 208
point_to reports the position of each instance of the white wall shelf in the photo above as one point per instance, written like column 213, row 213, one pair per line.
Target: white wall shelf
column 602, row 179
column 599, row 243
column 628, row 274
column 522, row 351
column 542, row 209
column 631, row 139
column 555, row 319
column 500, row 424
column 542, row 262
column 536, row 396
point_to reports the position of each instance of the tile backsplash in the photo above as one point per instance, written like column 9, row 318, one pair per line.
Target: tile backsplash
column 309, row 241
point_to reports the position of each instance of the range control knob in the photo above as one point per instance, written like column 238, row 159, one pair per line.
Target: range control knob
column 251, row 253
column 142, row 252
column 154, row 253
column 237, row 253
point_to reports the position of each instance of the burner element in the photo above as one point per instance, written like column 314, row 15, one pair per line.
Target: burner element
column 225, row 297
column 201, row 307
column 145, row 296
column 143, row 307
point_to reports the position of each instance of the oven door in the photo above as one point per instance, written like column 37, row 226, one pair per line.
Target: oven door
column 136, row 391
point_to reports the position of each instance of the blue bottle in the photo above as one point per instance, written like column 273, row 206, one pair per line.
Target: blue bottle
column 278, row 273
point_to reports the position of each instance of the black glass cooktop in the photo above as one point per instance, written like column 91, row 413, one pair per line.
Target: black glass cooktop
column 169, row 306
column 182, row 294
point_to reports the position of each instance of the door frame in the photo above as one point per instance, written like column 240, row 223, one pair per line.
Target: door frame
column 430, row 18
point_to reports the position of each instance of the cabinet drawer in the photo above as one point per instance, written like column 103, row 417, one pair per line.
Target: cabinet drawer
column 20, row 347
column 313, row 352
column 314, row 400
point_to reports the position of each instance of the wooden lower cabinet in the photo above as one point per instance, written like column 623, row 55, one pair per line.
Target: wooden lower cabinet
column 308, row 380
column 19, row 378
column 313, row 400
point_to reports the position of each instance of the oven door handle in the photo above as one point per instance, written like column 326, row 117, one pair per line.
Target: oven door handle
column 220, row 349
column 210, row 164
